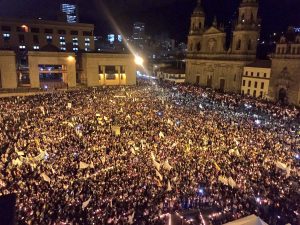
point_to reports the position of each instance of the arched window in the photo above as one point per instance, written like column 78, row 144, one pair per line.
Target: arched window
column 238, row 45
column 198, row 47
column 252, row 17
column 282, row 50
column 191, row 47
column 249, row 45
column 193, row 26
column 200, row 25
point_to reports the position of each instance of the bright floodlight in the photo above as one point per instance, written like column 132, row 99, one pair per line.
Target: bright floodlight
column 139, row 60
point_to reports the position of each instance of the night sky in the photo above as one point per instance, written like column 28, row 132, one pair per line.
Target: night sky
column 171, row 16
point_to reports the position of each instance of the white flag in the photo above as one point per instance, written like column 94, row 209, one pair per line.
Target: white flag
column 161, row 134
column 223, row 180
column 231, row 182
column 156, row 165
column 169, row 186
column 45, row 177
column 167, row 166
column 158, row 175
column 86, row 203
column 130, row 218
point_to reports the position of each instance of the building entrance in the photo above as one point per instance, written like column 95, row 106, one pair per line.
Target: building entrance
column 53, row 76
column 282, row 96
column 222, row 85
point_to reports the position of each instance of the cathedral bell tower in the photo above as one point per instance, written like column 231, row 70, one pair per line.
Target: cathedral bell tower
column 197, row 28
column 247, row 29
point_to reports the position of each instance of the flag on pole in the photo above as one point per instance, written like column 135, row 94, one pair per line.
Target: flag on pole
column 169, row 186
column 130, row 218
column 161, row 135
column 156, row 165
column 86, row 203
column 158, row 175
column 223, row 180
column 231, row 182
column 167, row 166
column 45, row 177
column 217, row 166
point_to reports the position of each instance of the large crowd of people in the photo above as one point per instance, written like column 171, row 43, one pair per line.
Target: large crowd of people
column 128, row 155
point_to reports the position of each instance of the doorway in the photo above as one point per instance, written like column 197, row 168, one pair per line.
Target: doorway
column 222, row 85
column 282, row 96
column 209, row 81
column 197, row 80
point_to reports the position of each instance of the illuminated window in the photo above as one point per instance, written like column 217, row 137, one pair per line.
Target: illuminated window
column 62, row 38
column 87, row 39
column 49, row 37
column 36, row 47
column 87, row 44
column 62, row 43
column 22, row 47
column 63, row 49
column 75, row 49
column 6, row 36
column 75, row 39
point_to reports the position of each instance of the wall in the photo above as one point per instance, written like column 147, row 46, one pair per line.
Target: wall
column 230, row 71
column 285, row 74
column 8, row 70
column 51, row 58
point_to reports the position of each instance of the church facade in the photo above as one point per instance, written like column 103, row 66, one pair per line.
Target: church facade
column 285, row 78
column 209, row 63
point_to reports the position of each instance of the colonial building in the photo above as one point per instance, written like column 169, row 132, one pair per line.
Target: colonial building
column 174, row 75
column 285, row 78
column 209, row 63
column 256, row 78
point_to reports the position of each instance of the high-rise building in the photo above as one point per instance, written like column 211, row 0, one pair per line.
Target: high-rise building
column 70, row 10
column 138, row 31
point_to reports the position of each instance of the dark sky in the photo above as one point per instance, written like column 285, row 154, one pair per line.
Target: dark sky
column 172, row 16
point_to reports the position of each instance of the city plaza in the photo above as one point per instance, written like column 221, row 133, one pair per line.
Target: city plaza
column 144, row 154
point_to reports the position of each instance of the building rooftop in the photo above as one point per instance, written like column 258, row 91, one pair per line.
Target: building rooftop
column 260, row 64
column 37, row 22
column 172, row 70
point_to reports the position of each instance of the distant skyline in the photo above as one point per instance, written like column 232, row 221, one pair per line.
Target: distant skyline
column 171, row 16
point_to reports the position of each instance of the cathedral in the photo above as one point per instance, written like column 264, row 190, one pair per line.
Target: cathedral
column 210, row 63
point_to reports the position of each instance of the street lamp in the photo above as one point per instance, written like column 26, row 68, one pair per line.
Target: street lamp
column 138, row 60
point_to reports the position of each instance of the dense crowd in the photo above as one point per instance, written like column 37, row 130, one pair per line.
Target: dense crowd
column 129, row 155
